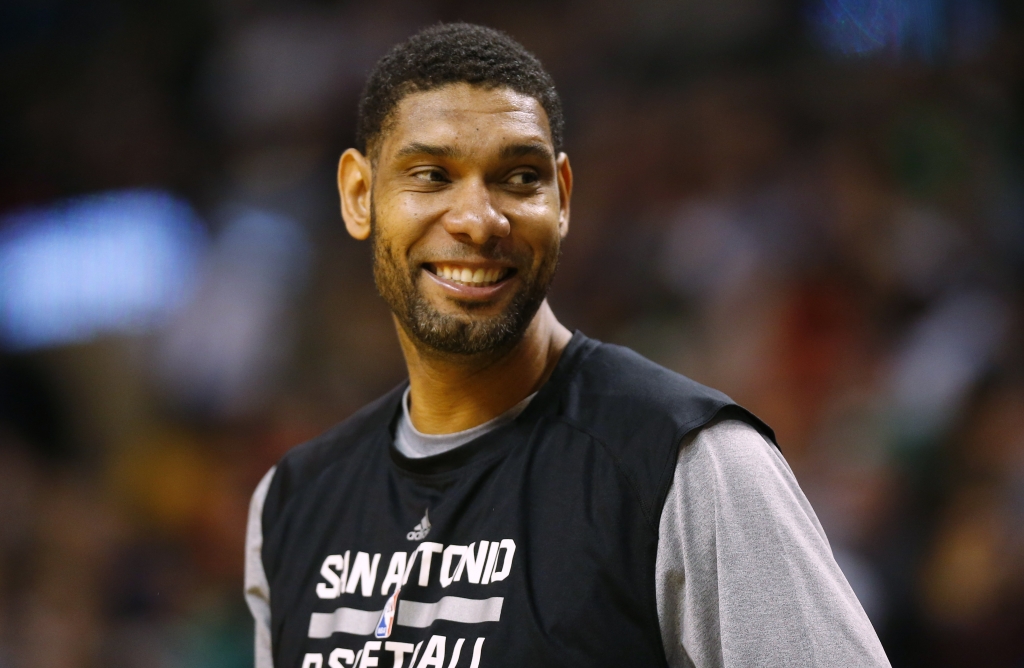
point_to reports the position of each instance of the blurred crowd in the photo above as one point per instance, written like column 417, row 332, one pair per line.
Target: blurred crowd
column 817, row 207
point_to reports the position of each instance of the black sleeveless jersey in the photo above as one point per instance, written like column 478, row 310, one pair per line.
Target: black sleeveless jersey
column 533, row 545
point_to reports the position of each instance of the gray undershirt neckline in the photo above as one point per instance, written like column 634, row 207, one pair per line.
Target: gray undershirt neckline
column 414, row 444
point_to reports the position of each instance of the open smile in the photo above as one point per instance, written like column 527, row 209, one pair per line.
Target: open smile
column 469, row 281
column 472, row 276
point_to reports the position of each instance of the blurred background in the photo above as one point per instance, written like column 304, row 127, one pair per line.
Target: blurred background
column 815, row 206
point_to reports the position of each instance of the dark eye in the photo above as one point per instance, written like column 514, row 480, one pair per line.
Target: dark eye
column 523, row 178
column 431, row 175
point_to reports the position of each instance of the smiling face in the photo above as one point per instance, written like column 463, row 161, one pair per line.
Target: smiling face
column 467, row 210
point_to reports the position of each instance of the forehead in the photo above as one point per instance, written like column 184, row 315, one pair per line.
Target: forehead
column 468, row 118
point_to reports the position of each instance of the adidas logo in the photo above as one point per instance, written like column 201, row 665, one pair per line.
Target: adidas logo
column 420, row 531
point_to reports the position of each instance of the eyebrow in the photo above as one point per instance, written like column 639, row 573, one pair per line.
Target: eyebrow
column 418, row 148
column 523, row 150
column 508, row 152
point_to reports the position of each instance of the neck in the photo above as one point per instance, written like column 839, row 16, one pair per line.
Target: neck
column 449, row 395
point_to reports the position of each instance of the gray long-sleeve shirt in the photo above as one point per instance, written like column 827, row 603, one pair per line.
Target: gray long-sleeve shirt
column 744, row 573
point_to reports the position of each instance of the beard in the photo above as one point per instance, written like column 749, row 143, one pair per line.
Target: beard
column 460, row 334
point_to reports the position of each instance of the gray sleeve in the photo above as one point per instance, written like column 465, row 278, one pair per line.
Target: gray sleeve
column 745, row 575
column 257, row 589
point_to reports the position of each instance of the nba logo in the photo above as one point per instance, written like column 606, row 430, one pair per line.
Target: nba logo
column 387, row 617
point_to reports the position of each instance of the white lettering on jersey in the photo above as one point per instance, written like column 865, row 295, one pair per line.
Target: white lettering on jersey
column 427, row 549
column 457, row 652
column 335, row 581
column 364, row 573
column 501, row 573
column 446, row 563
column 400, row 649
column 433, row 655
column 492, row 556
column 339, row 655
column 474, row 564
column 410, row 564
column 477, row 649
column 396, row 572
column 482, row 563
column 370, row 661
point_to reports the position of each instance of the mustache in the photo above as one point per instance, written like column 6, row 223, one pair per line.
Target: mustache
column 464, row 252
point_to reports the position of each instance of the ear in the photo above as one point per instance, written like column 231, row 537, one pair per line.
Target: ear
column 564, row 192
column 355, row 179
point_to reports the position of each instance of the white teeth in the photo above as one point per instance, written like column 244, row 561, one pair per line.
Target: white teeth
column 477, row 277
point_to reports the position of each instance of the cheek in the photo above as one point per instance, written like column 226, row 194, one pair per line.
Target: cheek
column 537, row 223
column 403, row 220
column 540, row 206
column 414, row 208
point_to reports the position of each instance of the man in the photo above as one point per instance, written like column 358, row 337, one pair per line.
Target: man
column 531, row 496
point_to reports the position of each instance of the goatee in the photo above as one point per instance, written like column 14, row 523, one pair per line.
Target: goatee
column 458, row 334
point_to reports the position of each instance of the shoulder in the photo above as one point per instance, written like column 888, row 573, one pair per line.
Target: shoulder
column 640, row 412
column 732, row 454
column 729, row 469
column 304, row 463
column 731, row 445
column 617, row 392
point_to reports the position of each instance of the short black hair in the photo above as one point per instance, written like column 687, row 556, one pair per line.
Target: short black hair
column 449, row 53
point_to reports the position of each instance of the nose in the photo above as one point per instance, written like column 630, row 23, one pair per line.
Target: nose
column 473, row 216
